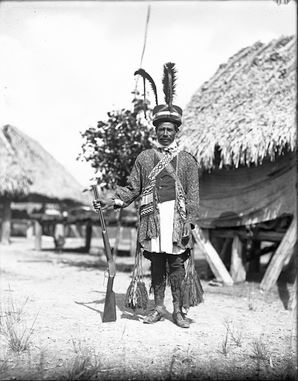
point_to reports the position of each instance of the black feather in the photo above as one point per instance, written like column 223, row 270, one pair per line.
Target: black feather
column 144, row 105
column 145, row 75
column 169, row 83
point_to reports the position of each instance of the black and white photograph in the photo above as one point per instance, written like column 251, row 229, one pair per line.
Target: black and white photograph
column 148, row 190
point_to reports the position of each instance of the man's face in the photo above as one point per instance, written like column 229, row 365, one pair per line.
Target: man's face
column 166, row 133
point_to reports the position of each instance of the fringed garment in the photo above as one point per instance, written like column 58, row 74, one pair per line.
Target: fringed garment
column 185, row 206
column 164, row 242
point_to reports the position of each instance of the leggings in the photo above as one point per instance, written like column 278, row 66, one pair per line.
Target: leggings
column 175, row 272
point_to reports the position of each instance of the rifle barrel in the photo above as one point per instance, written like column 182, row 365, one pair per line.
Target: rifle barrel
column 109, row 313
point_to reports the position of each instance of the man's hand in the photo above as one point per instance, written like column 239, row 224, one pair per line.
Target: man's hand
column 104, row 204
column 187, row 228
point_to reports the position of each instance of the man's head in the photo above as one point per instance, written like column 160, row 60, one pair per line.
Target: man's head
column 165, row 113
column 166, row 133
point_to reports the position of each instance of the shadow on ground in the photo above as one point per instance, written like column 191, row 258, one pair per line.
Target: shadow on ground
column 126, row 313
column 95, row 260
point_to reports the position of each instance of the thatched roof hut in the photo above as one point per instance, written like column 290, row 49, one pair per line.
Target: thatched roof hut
column 27, row 169
column 13, row 178
column 29, row 173
column 240, row 126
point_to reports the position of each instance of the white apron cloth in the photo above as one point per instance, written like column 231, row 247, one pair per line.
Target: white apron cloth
column 164, row 243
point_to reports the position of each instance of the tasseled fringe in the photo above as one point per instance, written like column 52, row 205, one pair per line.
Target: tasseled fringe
column 191, row 288
column 136, row 295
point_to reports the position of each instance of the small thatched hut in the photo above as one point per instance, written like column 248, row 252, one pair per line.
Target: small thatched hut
column 240, row 126
column 29, row 173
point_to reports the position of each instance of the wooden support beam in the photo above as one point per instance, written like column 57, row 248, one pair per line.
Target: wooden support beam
column 283, row 252
column 88, row 236
column 225, row 252
column 254, row 262
column 59, row 236
column 38, row 234
column 213, row 259
column 293, row 296
column 271, row 236
column 224, row 249
column 74, row 230
column 30, row 230
column 238, row 271
column 6, row 222
column 80, row 228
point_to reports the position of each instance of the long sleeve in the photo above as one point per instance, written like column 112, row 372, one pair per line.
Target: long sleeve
column 192, row 191
column 133, row 188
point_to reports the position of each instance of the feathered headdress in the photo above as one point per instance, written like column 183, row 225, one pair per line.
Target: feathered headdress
column 169, row 83
column 166, row 112
column 147, row 77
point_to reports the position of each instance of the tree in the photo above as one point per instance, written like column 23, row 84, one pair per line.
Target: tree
column 113, row 145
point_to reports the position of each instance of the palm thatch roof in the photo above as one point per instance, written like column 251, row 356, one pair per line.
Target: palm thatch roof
column 14, row 180
column 246, row 111
column 29, row 173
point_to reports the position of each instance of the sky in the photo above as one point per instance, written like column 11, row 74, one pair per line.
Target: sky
column 65, row 64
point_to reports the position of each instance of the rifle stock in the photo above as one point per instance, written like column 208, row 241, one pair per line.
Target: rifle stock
column 109, row 313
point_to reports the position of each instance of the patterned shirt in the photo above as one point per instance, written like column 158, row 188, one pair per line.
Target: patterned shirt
column 188, row 174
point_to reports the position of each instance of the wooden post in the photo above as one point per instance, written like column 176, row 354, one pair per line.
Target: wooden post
column 30, row 230
column 254, row 263
column 214, row 261
column 38, row 234
column 74, row 230
column 59, row 236
column 225, row 252
column 66, row 230
column 80, row 229
column 237, row 270
column 293, row 296
column 133, row 241
column 283, row 252
column 6, row 222
column 88, row 235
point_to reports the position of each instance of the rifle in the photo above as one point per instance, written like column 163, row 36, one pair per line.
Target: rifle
column 109, row 313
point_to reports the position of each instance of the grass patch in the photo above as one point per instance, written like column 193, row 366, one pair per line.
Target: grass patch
column 3, row 365
column 235, row 335
column 84, row 365
column 259, row 350
column 81, row 368
column 224, row 343
column 13, row 326
column 232, row 336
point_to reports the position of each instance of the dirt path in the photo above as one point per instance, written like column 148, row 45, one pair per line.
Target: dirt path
column 66, row 293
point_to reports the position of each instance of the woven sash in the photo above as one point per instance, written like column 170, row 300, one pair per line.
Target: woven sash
column 165, row 159
column 147, row 199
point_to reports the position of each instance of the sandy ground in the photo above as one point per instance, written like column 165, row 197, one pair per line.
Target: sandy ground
column 65, row 294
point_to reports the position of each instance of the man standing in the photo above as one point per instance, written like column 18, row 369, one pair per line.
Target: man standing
column 167, row 180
